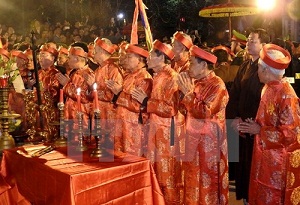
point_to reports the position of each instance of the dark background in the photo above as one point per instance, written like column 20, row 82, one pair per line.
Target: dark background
column 165, row 16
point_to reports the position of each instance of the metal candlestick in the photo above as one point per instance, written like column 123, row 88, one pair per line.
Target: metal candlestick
column 6, row 140
column 62, row 140
column 99, row 151
column 81, row 145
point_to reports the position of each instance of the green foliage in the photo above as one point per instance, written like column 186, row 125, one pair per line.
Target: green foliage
column 8, row 70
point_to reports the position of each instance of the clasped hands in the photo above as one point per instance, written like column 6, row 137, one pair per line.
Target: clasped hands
column 249, row 126
column 115, row 87
column 185, row 83
column 62, row 79
column 138, row 94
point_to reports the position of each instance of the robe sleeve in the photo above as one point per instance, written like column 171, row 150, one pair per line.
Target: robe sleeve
column 285, row 133
column 207, row 104
column 70, row 89
column 133, row 105
column 167, row 104
column 105, row 94
column 54, row 86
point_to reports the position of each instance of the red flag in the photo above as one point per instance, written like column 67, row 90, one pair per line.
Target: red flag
column 149, row 39
column 134, row 35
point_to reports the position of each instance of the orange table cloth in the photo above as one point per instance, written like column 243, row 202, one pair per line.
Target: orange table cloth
column 58, row 178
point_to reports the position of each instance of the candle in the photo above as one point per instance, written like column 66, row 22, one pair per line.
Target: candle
column 96, row 97
column 61, row 95
column 78, row 100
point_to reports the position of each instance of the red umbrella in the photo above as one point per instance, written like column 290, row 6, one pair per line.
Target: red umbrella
column 228, row 10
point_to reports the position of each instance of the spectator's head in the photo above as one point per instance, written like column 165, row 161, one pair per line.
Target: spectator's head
column 255, row 41
column 223, row 53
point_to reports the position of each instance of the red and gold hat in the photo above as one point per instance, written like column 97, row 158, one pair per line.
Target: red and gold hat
column 28, row 52
column 91, row 50
column 123, row 45
column 77, row 51
column 99, row 42
column 163, row 48
column 137, row 50
column 236, row 36
column 183, row 39
column 19, row 54
column 200, row 53
column 63, row 50
column 220, row 47
column 279, row 64
column 4, row 52
column 47, row 47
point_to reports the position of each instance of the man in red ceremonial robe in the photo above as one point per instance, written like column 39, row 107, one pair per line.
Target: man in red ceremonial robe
column 47, row 73
column 131, row 127
column 78, row 62
column 182, row 42
column 107, row 71
column 16, row 98
column 275, row 175
column 166, row 124
column 206, row 162
column 244, row 97
column 29, row 78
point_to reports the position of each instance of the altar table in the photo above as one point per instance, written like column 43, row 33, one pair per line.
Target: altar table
column 58, row 178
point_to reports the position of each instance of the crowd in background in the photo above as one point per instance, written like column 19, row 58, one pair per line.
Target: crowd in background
column 121, row 94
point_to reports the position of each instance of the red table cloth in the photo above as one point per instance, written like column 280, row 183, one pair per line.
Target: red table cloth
column 67, row 177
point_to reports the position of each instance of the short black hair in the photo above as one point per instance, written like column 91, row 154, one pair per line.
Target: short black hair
column 82, row 45
column 262, row 35
column 222, row 56
column 159, row 53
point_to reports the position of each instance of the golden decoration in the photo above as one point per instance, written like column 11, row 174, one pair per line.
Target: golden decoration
column 295, row 196
column 6, row 140
column 298, row 134
column 270, row 109
column 50, row 115
column 290, row 179
column 295, row 159
column 225, row 181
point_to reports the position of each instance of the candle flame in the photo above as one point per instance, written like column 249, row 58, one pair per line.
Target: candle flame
column 95, row 86
column 78, row 91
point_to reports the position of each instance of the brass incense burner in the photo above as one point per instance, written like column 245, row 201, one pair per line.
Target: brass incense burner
column 6, row 140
